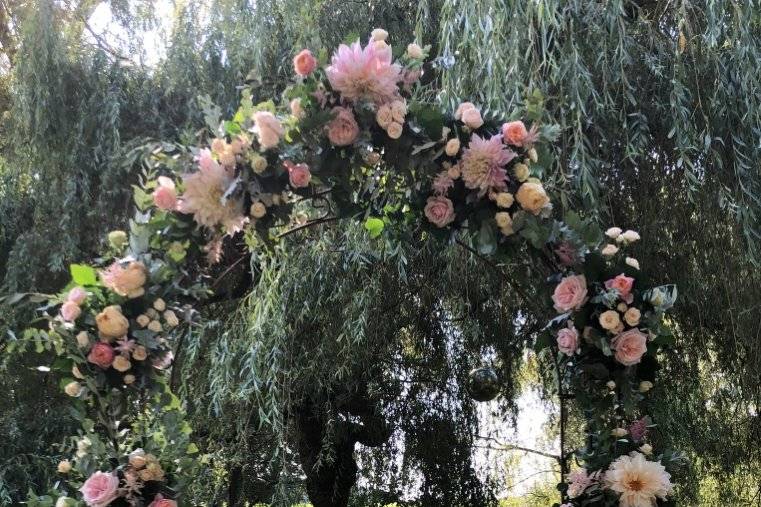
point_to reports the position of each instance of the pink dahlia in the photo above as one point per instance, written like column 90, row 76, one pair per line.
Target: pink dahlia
column 483, row 164
column 442, row 182
column 203, row 197
column 364, row 73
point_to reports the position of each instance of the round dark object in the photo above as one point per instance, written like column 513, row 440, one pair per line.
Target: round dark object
column 483, row 384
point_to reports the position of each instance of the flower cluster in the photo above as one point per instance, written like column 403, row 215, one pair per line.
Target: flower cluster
column 609, row 328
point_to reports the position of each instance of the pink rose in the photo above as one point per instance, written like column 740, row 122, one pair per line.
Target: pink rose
column 268, row 129
column 101, row 354
column 77, row 295
column 165, row 196
column 630, row 346
column 570, row 294
column 160, row 501
column 304, row 63
column 514, row 133
column 623, row 283
column 439, row 211
column 100, row 489
column 568, row 340
column 70, row 311
column 343, row 129
column 472, row 118
column 298, row 174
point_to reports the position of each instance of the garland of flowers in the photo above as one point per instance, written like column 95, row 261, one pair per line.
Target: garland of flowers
column 353, row 142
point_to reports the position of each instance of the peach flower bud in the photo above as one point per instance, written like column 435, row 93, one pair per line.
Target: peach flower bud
column 75, row 371
column 258, row 209
column 452, row 147
column 70, row 311
column 503, row 219
column 384, row 116
column 304, row 63
column 619, row 432
column 622, row 307
column 632, row 316
column 631, row 261
column 297, row 109
column 155, row 326
column 414, row 51
column 259, row 164
column 268, row 129
column 398, row 111
column 645, row 386
column 646, row 449
column 533, row 155
column 111, row 323
column 83, row 339
column 472, row 118
column 454, row 172
column 394, row 130
column 159, row 305
column 140, row 353
column 73, row 389
column 121, row 364
column 143, row 320
column 64, row 467
column 171, row 319
column 77, row 295
column 521, row 172
column 630, row 236
column 129, row 379
column 611, row 385
column 378, row 34
column 505, row 199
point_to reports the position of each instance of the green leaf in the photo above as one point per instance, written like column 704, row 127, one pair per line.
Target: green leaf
column 374, row 226
column 429, row 117
column 192, row 448
column 82, row 274
column 232, row 128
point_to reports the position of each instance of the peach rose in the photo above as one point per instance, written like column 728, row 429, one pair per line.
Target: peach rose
column 570, row 294
column 630, row 346
column 268, row 129
column 622, row 283
column 532, row 197
column 70, row 311
column 297, row 109
column 439, row 211
column 101, row 354
column 140, row 353
column 121, row 364
column 343, row 129
column 610, row 320
column 568, row 340
column 160, row 501
column 515, row 133
column 304, row 63
column 111, row 323
column 394, row 130
column 462, row 108
column 384, row 116
column 452, row 147
column 165, row 196
column 100, row 489
column 632, row 316
column 298, row 174
column 77, row 295
column 127, row 282
column 472, row 118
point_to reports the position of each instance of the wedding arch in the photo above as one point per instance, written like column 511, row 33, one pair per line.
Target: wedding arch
column 349, row 140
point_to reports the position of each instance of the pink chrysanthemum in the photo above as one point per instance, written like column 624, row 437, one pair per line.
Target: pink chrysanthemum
column 364, row 73
column 638, row 429
column 203, row 196
column 125, row 346
column 483, row 164
column 442, row 182
column 579, row 480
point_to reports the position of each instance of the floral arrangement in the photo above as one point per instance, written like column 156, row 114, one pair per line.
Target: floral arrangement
column 608, row 332
column 352, row 140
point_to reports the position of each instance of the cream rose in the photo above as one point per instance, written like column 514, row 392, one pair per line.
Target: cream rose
column 521, row 172
column 414, row 51
column 609, row 250
column 505, row 199
column 532, row 197
column 121, row 364
column 111, row 323
column 609, row 320
column 73, row 389
column 268, row 129
column 632, row 316
column 140, row 353
column 452, row 147
column 171, row 319
column 258, row 209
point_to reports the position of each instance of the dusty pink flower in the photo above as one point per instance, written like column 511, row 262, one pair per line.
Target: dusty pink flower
column 204, row 190
column 364, row 73
column 160, row 501
column 77, row 295
column 298, row 174
column 462, row 108
column 579, row 480
column 343, row 129
column 439, row 211
column 472, row 118
column 442, row 182
column 411, row 77
column 268, row 129
column 70, row 311
column 622, row 283
column 304, row 63
column 163, row 362
column 630, row 346
column 570, row 294
column 568, row 340
column 100, row 489
column 125, row 346
column 483, row 164
column 165, row 196
column 638, row 429
column 566, row 253
column 101, row 354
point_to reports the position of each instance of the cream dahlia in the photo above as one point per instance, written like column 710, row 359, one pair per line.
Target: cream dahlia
column 203, row 197
column 364, row 73
column 638, row 481
column 483, row 164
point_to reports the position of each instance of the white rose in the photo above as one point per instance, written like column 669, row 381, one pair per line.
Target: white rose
column 73, row 389
column 613, row 232
column 631, row 261
column 611, row 384
column 630, row 236
column 503, row 219
column 646, row 449
column 609, row 250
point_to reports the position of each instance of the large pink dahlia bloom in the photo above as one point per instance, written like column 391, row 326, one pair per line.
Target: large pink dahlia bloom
column 203, row 194
column 483, row 164
column 364, row 73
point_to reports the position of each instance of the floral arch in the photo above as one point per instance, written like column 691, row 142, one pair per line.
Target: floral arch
column 351, row 142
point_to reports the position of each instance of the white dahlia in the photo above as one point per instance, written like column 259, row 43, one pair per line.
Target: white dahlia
column 638, row 481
